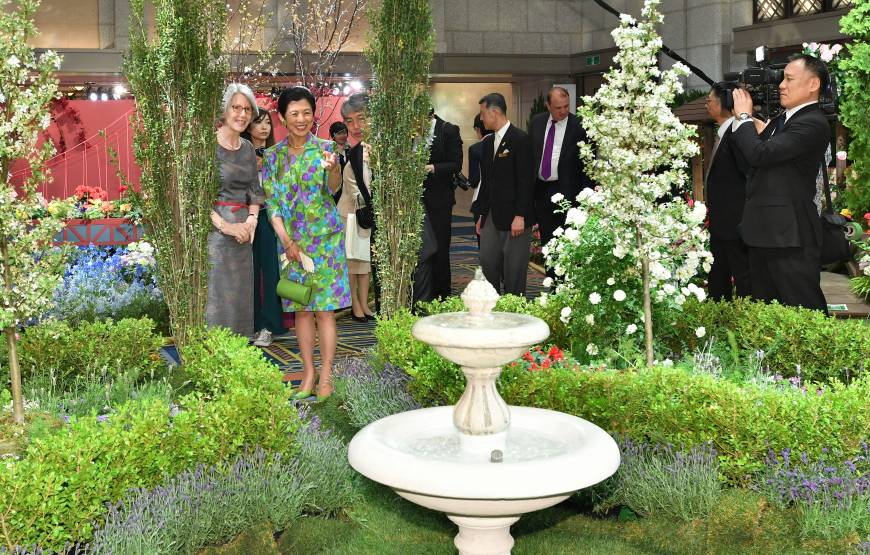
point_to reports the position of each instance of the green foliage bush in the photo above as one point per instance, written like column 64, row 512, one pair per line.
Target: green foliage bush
column 668, row 405
column 58, row 490
column 855, row 94
column 114, row 346
column 218, row 361
column 825, row 348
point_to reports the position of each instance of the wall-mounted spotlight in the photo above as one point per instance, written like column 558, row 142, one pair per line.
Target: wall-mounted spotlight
column 103, row 93
column 90, row 93
column 356, row 85
column 119, row 91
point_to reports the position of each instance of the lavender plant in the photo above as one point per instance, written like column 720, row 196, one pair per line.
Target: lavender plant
column 833, row 497
column 663, row 480
column 322, row 460
column 204, row 506
column 370, row 395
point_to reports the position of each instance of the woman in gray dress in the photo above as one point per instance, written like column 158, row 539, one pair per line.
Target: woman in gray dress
column 231, row 279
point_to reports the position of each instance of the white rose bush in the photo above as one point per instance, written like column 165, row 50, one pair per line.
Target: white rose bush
column 30, row 266
column 637, row 154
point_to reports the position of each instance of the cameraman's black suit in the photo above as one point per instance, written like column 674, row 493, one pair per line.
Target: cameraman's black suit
column 726, row 196
column 780, row 223
column 445, row 154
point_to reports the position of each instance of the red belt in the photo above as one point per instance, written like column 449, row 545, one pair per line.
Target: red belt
column 236, row 206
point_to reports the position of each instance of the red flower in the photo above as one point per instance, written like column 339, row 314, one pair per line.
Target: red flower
column 534, row 367
column 555, row 353
column 867, row 217
column 545, row 364
column 122, row 188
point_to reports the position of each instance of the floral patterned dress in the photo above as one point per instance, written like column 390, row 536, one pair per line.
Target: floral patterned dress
column 297, row 192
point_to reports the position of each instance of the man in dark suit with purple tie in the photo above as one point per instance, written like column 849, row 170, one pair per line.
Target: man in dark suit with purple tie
column 558, row 168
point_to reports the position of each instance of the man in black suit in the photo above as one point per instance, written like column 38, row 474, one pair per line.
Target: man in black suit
column 780, row 223
column 505, row 202
column 555, row 134
column 725, row 196
column 445, row 159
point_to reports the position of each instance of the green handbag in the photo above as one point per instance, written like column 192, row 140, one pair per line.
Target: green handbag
column 299, row 293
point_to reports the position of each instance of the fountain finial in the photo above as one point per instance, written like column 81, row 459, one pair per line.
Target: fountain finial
column 479, row 296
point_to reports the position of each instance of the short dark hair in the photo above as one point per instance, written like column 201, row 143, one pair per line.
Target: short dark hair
column 814, row 66
column 294, row 94
column 494, row 100
column 336, row 128
column 478, row 124
column 723, row 91
column 563, row 90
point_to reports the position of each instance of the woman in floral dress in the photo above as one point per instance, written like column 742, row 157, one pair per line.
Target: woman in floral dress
column 299, row 176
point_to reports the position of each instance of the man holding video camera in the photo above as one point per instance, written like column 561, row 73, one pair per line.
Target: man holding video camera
column 781, row 225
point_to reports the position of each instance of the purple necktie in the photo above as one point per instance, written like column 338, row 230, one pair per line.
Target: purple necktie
column 547, row 158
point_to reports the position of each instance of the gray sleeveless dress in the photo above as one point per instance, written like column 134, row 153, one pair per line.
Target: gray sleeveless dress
column 231, row 279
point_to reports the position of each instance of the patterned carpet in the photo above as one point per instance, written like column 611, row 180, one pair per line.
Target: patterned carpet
column 355, row 337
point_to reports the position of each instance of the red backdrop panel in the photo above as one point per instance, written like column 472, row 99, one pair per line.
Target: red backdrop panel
column 106, row 125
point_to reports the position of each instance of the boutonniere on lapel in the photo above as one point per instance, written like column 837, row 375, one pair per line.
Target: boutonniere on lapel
column 504, row 153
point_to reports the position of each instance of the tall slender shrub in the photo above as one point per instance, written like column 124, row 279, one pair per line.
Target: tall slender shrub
column 853, row 103
column 400, row 52
column 30, row 268
column 176, row 73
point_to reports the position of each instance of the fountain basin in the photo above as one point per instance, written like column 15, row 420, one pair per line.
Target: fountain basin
column 480, row 341
column 547, row 456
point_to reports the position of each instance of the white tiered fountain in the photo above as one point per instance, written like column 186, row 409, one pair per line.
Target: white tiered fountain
column 483, row 463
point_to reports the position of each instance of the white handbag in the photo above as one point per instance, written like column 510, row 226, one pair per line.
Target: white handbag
column 357, row 241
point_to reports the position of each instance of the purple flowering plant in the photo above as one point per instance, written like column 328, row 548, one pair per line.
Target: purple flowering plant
column 832, row 493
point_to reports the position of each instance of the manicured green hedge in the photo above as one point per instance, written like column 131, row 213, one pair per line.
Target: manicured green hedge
column 663, row 405
column 824, row 347
column 117, row 346
column 60, row 487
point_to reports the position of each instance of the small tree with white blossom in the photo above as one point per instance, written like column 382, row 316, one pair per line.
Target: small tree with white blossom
column 637, row 154
column 30, row 267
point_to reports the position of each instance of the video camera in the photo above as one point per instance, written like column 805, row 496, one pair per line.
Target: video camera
column 762, row 84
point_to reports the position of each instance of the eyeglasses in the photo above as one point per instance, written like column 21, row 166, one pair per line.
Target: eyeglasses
column 239, row 109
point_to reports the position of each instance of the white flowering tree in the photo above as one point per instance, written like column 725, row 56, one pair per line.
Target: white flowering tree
column 637, row 154
column 30, row 268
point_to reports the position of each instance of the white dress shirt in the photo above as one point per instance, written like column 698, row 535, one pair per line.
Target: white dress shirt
column 499, row 135
column 561, row 126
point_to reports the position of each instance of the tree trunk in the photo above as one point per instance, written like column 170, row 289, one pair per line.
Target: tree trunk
column 647, row 303
column 647, row 313
column 17, row 397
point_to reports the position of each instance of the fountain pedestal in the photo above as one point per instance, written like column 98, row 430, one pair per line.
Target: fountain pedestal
column 442, row 457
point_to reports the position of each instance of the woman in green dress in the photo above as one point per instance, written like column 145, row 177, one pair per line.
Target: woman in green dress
column 300, row 174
